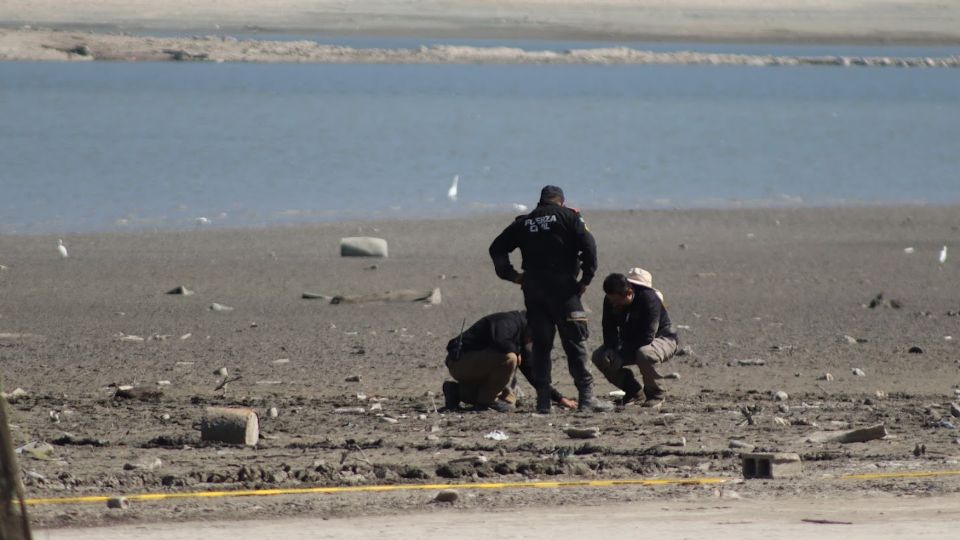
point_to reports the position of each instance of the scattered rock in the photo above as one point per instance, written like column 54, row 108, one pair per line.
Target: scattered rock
column 955, row 410
column 16, row 395
column 850, row 339
column 915, row 350
column 496, row 435
column 825, row 377
column 81, row 50
column 315, row 296
column 180, row 290
column 144, row 465
column 353, row 378
column 389, row 420
column 273, row 412
column 220, row 307
column 748, row 362
column 675, row 376
column 363, row 246
column 118, row 503
column 230, row 425
column 858, row 372
column 349, row 410
column 845, row 437
column 879, row 302
column 139, row 393
column 778, row 421
column 221, row 372
column 741, row 445
column 431, row 297
column 447, row 496
column 780, row 395
column 73, row 440
column 582, row 433
column 37, row 450
column 681, row 442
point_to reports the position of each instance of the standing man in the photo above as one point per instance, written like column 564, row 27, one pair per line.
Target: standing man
column 483, row 360
column 556, row 247
column 636, row 331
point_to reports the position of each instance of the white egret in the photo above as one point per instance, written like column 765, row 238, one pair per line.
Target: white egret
column 62, row 248
column 452, row 192
column 943, row 255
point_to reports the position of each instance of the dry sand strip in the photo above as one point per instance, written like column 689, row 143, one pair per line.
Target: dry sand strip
column 32, row 45
column 767, row 519
column 866, row 21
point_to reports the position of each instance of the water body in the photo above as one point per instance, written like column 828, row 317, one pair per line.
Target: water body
column 121, row 146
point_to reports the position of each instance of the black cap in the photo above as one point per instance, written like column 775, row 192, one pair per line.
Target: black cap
column 551, row 192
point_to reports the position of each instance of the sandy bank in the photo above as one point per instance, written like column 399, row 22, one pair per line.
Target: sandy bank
column 788, row 287
column 871, row 21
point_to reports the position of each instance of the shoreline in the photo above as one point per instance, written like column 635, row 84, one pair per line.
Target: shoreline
column 107, row 29
column 188, row 225
column 63, row 45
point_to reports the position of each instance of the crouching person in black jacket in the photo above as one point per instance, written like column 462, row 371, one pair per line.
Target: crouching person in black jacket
column 636, row 332
column 483, row 361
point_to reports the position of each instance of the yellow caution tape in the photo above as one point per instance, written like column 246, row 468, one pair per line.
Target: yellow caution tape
column 424, row 487
column 363, row 489
column 880, row 476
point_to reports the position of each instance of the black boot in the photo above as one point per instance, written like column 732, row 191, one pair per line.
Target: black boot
column 589, row 403
column 543, row 402
column 451, row 396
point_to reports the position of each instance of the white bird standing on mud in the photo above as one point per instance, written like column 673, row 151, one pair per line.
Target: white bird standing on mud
column 62, row 248
column 943, row 255
column 452, row 192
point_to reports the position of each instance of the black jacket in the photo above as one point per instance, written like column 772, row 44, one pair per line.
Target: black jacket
column 554, row 242
column 499, row 331
column 638, row 324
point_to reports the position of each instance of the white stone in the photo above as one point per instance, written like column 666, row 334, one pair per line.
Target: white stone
column 363, row 246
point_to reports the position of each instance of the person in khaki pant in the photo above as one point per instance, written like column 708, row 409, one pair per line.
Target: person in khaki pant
column 636, row 332
column 484, row 360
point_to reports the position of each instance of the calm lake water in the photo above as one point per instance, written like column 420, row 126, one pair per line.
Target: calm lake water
column 121, row 146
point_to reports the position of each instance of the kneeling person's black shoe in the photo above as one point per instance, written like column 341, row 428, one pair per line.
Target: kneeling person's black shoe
column 500, row 406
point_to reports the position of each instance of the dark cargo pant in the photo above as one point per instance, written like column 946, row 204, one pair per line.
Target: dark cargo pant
column 616, row 368
column 483, row 375
column 552, row 310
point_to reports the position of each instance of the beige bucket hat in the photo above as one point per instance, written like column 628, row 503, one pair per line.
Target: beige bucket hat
column 641, row 277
